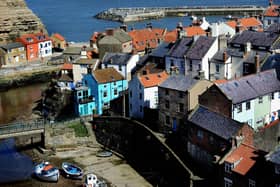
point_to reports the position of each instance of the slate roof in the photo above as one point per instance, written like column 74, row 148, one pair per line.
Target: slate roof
column 107, row 75
column 250, row 57
column 161, row 50
column 274, row 28
column 274, row 157
column 219, row 57
column 215, row 123
column 116, row 58
column 12, row 46
column 179, row 82
column 200, row 47
column 272, row 62
column 179, row 49
column 246, row 157
column 257, row 39
column 251, row 86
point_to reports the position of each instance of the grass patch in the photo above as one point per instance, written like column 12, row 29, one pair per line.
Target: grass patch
column 80, row 129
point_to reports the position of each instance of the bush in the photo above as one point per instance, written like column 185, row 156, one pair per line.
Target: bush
column 80, row 129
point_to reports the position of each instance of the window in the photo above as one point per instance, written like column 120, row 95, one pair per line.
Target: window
column 115, row 92
column 252, row 183
column 260, row 99
column 199, row 67
column 166, row 92
column 140, row 96
column 227, row 182
column 21, row 48
column 79, row 94
column 200, row 134
column 217, row 68
column 166, row 104
column 141, row 109
column 167, row 119
column 190, row 65
column 120, row 67
column 130, row 94
column 130, row 107
column 272, row 96
column 180, row 107
column 105, row 94
column 239, row 108
column 248, row 105
column 228, row 167
column 181, row 94
column 139, row 86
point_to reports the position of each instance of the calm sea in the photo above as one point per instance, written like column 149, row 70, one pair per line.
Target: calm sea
column 74, row 18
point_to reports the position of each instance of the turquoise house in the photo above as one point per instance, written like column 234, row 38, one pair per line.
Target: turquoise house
column 84, row 102
column 105, row 85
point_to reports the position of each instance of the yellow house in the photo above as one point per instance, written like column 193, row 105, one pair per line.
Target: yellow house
column 12, row 54
column 59, row 41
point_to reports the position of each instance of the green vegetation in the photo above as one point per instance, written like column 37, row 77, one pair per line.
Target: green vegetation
column 80, row 129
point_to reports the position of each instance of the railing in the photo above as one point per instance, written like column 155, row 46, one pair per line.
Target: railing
column 22, row 127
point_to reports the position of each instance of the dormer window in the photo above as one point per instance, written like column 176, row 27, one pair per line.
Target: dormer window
column 228, row 167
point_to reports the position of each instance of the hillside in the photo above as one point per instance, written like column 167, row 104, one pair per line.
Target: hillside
column 15, row 19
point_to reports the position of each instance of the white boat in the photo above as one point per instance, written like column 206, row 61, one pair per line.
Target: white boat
column 47, row 172
column 104, row 154
column 90, row 180
column 72, row 170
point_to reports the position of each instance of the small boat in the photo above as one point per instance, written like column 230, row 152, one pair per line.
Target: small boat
column 47, row 172
column 90, row 180
column 104, row 154
column 72, row 171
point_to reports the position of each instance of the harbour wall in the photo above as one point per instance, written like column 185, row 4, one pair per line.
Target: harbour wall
column 143, row 13
column 143, row 150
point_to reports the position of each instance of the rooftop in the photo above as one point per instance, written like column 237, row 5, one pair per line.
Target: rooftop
column 244, row 158
column 171, row 36
column 215, row 123
column 107, row 75
column 153, row 79
column 58, row 36
column 179, row 82
column 12, row 46
column 200, row 47
column 245, row 23
column 272, row 11
column 116, row 58
column 251, row 86
column 180, row 48
column 67, row 66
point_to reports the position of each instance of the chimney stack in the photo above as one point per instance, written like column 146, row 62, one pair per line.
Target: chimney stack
column 109, row 32
column 257, row 62
column 224, row 56
column 247, row 47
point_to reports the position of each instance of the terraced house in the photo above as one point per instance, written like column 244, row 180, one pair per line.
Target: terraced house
column 12, row 54
column 105, row 85
column 253, row 99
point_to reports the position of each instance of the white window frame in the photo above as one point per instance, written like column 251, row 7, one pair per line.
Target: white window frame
column 227, row 182
column 251, row 183
column 228, row 167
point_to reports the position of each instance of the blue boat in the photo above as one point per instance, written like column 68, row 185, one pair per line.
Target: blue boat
column 47, row 172
column 72, row 171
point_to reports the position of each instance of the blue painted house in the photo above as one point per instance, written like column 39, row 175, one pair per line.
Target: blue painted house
column 84, row 102
column 105, row 85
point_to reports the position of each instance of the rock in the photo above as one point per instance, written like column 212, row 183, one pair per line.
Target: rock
column 16, row 19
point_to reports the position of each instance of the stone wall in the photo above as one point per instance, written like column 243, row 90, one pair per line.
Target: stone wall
column 152, row 158
column 16, row 19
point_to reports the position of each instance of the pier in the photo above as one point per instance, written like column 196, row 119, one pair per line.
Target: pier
column 143, row 13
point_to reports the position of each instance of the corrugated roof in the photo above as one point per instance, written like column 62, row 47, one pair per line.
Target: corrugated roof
column 153, row 79
column 251, row 86
column 107, row 75
column 215, row 123
column 200, row 47
column 179, row 82
column 116, row 58
column 245, row 156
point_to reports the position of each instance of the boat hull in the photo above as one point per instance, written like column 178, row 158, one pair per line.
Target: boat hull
column 72, row 171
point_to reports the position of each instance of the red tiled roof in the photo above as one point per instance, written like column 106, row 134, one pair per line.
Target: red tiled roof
column 27, row 39
column 220, row 81
column 140, row 38
column 67, row 66
column 171, row 36
column 58, row 36
column 153, row 79
column 271, row 11
column 245, row 155
column 245, row 22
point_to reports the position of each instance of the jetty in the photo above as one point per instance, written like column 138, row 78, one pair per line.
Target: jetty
column 144, row 13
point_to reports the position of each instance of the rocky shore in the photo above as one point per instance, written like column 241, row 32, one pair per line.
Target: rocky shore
column 16, row 19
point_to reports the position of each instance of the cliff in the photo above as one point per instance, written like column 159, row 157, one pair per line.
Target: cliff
column 16, row 19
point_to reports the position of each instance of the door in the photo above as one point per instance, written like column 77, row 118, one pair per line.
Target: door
column 174, row 124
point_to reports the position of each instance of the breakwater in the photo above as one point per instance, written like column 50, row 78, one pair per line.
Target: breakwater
column 143, row 13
